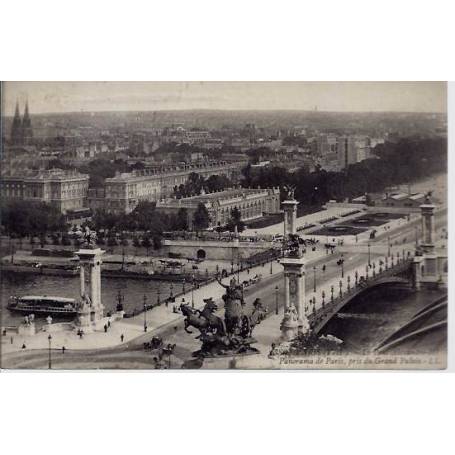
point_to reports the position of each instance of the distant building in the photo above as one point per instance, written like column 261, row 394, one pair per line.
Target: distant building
column 252, row 204
column 404, row 200
column 336, row 153
column 123, row 192
column 66, row 190
column 21, row 129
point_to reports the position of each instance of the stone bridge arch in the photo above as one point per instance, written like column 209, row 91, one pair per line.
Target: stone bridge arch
column 320, row 318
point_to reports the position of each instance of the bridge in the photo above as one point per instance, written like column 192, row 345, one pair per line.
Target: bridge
column 392, row 272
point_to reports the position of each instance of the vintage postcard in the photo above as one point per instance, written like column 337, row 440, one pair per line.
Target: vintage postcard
column 224, row 225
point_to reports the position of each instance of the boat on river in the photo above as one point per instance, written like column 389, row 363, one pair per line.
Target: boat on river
column 43, row 304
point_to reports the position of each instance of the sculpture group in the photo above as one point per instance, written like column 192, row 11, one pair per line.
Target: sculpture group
column 228, row 336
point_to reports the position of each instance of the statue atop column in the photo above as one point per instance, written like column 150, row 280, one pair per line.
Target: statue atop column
column 290, row 190
column 89, row 239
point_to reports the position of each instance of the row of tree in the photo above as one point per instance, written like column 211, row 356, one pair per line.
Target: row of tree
column 145, row 217
column 28, row 218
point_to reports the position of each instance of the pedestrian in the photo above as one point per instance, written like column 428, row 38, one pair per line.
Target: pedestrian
column 323, row 268
column 23, row 346
column 12, row 339
column 105, row 328
column 122, row 337
column 109, row 323
column 63, row 349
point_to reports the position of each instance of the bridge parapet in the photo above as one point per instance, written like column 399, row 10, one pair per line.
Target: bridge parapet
column 319, row 313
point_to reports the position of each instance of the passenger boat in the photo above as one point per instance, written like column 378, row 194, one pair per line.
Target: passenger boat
column 43, row 304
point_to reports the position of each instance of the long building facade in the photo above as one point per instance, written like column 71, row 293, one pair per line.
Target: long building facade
column 66, row 190
column 122, row 193
column 252, row 204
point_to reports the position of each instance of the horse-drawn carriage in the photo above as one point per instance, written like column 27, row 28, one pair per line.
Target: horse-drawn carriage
column 256, row 279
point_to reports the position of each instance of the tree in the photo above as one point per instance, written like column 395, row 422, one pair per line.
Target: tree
column 236, row 221
column 201, row 218
column 181, row 221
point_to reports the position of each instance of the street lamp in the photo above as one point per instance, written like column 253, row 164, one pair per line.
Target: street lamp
column 145, row 313
column 276, row 299
column 49, row 338
column 369, row 254
column 314, row 278
column 341, row 287
column 349, row 282
column 331, row 290
column 342, row 266
column 192, row 293
column 323, row 297
column 271, row 269
column 388, row 249
column 183, row 285
column 366, row 272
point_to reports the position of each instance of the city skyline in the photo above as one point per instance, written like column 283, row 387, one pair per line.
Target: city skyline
column 62, row 97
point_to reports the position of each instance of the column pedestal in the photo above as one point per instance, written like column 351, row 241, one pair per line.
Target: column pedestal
column 294, row 321
column 91, row 309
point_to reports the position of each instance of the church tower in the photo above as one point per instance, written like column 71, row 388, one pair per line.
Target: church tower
column 16, row 128
column 27, row 131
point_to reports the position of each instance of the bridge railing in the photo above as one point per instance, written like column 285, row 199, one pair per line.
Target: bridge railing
column 324, row 307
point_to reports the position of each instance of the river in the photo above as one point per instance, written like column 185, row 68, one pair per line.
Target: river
column 371, row 318
column 68, row 286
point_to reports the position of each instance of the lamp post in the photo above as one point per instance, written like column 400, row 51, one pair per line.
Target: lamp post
column 356, row 275
column 323, row 298
column 349, row 282
column 314, row 278
column 366, row 272
column 342, row 266
column 374, row 268
column 276, row 299
column 192, row 294
column 271, row 267
column 331, row 291
column 417, row 237
column 49, row 338
column 388, row 246
column 369, row 254
column 341, row 288
column 145, row 313
column 183, row 285
column 158, row 301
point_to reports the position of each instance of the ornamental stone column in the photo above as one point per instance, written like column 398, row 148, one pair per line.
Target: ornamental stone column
column 90, row 310
column 427, row 210
column 295, row 319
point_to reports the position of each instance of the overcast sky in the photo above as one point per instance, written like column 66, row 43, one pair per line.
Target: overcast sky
column 46, row 97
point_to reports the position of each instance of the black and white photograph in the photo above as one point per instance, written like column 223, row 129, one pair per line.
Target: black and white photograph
column 224, row 225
